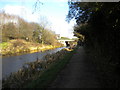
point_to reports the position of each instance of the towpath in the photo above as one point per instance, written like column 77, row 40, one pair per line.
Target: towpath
column 78, row 73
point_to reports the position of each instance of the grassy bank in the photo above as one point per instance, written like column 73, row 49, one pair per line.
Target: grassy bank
column 50, row 74
column 18, row 46
column 39, row 74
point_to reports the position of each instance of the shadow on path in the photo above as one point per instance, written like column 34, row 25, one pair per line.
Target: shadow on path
column 78, row 73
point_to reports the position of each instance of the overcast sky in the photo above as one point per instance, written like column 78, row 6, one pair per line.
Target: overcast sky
column 54, row 11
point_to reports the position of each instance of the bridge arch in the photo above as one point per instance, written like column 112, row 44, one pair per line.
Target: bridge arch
column 66, row 42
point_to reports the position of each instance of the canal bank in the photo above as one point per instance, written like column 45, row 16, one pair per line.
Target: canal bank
column 19, row 47
column 11, row 64
column 39, row 70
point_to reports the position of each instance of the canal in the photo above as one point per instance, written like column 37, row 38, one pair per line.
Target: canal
column 12, row 64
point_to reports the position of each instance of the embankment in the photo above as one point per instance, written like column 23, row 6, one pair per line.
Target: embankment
column 18, row 46
column 40, row 73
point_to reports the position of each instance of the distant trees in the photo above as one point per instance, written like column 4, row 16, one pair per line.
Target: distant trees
column 27, row 31
column 49, row 37
column 9, row 31
column 37, row 32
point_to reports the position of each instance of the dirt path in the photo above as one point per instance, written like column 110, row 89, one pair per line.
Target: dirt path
column 78, row 73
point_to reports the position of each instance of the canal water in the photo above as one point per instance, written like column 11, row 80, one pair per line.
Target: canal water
column 14, row 63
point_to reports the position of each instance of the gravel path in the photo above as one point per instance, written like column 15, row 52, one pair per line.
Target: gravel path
column 78, row 73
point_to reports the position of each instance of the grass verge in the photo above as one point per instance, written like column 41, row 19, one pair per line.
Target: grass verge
column 51, row 73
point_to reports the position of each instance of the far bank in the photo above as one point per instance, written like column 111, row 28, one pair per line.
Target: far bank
column 19, row 46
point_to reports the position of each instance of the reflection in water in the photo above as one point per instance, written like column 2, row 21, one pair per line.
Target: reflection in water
column 14, row 63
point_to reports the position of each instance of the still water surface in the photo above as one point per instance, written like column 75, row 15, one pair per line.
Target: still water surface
column 14, row 63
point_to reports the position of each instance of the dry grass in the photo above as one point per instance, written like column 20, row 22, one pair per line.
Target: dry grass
column 19, row 46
